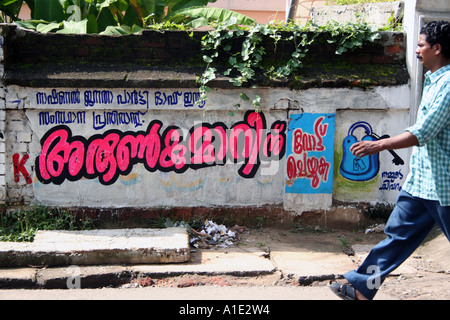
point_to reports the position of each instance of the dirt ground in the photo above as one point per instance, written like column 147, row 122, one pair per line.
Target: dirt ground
column 425, row 282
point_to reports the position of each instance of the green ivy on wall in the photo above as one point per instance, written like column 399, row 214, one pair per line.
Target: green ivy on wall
column 121, row 17
column 243, row 64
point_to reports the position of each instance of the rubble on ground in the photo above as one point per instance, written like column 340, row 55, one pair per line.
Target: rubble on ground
column 376, row 228
column 211, row 234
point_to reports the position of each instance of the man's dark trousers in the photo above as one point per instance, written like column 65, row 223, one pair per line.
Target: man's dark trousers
column 410, row 222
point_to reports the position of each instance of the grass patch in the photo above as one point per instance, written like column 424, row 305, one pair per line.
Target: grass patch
column 19, row 225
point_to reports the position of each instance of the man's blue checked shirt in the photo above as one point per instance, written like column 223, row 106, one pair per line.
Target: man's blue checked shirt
column 429, row 176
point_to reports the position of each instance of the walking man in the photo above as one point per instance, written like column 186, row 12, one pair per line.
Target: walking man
column 425, row 196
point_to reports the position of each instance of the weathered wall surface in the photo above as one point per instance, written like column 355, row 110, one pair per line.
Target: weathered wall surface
column 377, row 14
column 82, row 130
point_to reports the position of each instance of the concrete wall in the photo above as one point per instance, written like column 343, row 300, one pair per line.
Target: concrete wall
column 266, row 11
column 417, row 14
column 261, row 11
column 377, row 14
column 91, row 135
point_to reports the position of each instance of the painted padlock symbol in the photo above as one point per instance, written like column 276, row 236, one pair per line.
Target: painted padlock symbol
column 352, row 167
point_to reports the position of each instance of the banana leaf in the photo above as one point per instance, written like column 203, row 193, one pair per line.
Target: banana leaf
column 105, row 19
column 78, row 27
column 48, row 27
column 11, row 8
column 48, row 10
column 132, row 17
column 147, row 7
column 121, row 30
column 211, row 14
column 176, row 5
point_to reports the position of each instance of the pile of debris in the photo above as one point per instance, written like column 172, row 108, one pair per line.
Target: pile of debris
column 211, row 234
column 376, row 228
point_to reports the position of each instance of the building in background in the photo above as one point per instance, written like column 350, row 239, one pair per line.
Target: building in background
column 264, row 11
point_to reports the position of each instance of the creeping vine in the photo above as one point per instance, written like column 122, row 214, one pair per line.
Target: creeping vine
column 243, row 64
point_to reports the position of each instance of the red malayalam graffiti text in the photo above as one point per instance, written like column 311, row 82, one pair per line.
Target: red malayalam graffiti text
column 304, row 141
column 19, row 168
column 113, row 153
column 314, row 168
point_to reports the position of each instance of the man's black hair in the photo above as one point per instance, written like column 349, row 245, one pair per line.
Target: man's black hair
column 438, row 32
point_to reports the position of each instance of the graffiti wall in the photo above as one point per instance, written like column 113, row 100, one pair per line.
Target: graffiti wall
column 159, row 147
column 371, row 178
column 162, row 148
column 124, row 148
column 310, row 153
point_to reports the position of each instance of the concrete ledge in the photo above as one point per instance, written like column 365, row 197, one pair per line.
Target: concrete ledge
column 373, row 13
column 173, row 59
column 93, row 247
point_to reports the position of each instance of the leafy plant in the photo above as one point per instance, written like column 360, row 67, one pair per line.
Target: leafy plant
column 22, row 225
column 394, row 23
column 10, row 9
column 244, row 64
column 196, row 17
column 350, row 35
column 117, row 17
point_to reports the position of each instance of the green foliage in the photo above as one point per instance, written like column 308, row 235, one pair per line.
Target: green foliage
column 117, row 17
column 9, row 10
column 197, row 17
column 120, row 17
column 22, row 225
column 350, row 35
column 243, row 64
column 393, row 23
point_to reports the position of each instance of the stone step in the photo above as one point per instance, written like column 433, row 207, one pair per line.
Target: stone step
column 98, row 247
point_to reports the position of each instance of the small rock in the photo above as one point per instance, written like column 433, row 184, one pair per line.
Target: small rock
column 219, row 281
column 377, row 228
column 184, row 283
column 145, row 282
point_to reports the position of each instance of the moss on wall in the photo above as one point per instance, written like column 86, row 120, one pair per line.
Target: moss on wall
column 174, row 58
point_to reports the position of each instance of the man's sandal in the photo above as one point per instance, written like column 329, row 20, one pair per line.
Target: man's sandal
column 343, row 291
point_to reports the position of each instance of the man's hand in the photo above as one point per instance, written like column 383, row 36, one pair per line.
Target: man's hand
column 365, row 148
column 368, row 148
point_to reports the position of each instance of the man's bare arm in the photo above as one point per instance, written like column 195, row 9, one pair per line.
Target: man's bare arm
column 367, row 148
